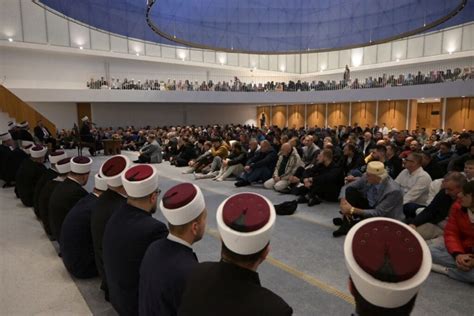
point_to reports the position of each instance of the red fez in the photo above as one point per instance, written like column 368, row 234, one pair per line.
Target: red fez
column 246, row 212
column 179, row 196
column 114, row 166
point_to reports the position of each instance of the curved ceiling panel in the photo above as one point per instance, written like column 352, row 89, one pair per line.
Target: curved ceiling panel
column 268, row 26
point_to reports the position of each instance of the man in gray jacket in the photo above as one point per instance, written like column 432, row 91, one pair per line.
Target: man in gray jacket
column 150, row 152
column 374, row 194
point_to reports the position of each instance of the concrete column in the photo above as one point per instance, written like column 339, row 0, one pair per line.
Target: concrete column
column 443, row 113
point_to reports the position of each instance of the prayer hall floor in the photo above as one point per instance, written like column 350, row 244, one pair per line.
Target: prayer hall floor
column 306, row 265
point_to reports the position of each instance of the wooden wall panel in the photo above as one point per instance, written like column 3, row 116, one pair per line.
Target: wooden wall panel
column 316, row 115
column 296, row 115
column 338, row 114
column 83, row 109
column 21, row 111
column 279, row 115
column 363, row 113
column 393, row 113
column 460, row 113
column 266, row 110
column 429, row 115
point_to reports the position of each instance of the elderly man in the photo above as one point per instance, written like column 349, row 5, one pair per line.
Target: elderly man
column 455, row 257
column 430, row 222
column 260, row 167
column 310, row 149
column 366, row 145
column 150, row 152
column 245, row 222
column 414, row 181
column 373, row 194
column 288, row 162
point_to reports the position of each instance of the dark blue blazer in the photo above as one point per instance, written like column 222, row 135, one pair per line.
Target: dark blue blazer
column 77, row 249
column 163, row 275
column 127, row 235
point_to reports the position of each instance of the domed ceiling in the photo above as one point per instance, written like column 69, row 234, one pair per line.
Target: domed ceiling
column 269, row 27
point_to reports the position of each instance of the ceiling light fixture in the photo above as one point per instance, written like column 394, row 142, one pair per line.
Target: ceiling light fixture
column 10, row 39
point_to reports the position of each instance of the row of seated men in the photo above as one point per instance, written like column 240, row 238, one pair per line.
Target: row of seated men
column 407, row 189
column 148, row 268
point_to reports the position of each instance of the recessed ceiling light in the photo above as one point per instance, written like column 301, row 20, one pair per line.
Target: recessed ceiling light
column 138, row 54
column 10, row 39
column 398, row 59
column 388, row 99
column 463, row 96
column 81, row 48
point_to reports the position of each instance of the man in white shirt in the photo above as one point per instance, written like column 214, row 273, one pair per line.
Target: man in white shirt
column 414, row 181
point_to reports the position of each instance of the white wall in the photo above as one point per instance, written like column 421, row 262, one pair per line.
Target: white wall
column 61, row 114
column 142, row 114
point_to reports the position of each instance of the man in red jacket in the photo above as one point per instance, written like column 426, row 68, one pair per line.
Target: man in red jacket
column 455, row 257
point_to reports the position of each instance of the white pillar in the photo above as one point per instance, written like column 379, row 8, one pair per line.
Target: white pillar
column 326, row 117
column 350, row 113
column 407, row 121
column 377, row 112
column 443, row 113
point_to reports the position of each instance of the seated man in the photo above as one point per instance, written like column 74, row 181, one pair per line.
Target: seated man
column 219, row 151
column 234, row 163
column 288, row 162
column 260, row 167
column 169, row 261
column 455, row 256
column 414, row 181
column 324, row 183
column 373, row 194
column 431, row 221
column 310, row 150
column 128, row 233
column 186, row 152
column 469, row 170
column 431, row 166
column 387, row 263
column 43, row 134
column 77, row 249
column 202, row 161
column 29, row 173
column 245, row 222
column 352, row 160
column 150, row 152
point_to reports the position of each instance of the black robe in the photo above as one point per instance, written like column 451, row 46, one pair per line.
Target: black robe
column 12, row 164
column 106, row 204
column 43, row 204
column 163, row 274
column 220, row 288
column 4, row 152
column 62, row 200
column 127, row 236
column 77, row 250
column 26, row 179
column 48, row 175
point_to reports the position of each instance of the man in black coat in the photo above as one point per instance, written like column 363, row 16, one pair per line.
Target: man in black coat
column 68, row 193
column 23, row 134
column 12, row 163
column 63, row 168
column 50, row 174
column 217, row 288
column 260, row 167
column 431, row 166
column 128, row 233
column 29, row 173
column 77, row 250
column 5, row 149
column 366, row 144
column 168, row 261
column 44, row 135
column 111, row 200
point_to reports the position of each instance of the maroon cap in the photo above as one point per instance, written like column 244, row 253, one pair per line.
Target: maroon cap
column 81, row 160
column 57, row 153
column 114, row 166
column 246, row 212
column 139, row 173
column 179, row 196
column 64, row 161
column 387, row 251
column 28, row 146
column 37, row 148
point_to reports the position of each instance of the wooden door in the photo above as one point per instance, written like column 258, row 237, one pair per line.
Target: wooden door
column 83, row 109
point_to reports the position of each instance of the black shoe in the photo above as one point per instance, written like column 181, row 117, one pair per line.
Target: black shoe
column 314, row 201
column 302, row 199
column 8, row 185
column 136, row 161
column 241, row 183
column 344, row 228
column 337, row 221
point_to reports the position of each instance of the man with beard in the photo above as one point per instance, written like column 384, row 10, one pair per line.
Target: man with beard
column 168, row 261
column 128, row 233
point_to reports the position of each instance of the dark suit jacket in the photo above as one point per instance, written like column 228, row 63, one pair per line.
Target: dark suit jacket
column 370, row 146
column 64, row 197
column 43, row 204
column 435, row 212
column 127, row 236
column 12, row 164
column 220, row 288
column 106, row 204
column 4, row 152
column 27, row 176
column 49, row 174
column 163, row 275
column 40, row 134
column 23, row 134
column 77, row 250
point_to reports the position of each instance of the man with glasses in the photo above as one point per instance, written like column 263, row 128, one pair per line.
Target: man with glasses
column 414, row 181
column 128, row 233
